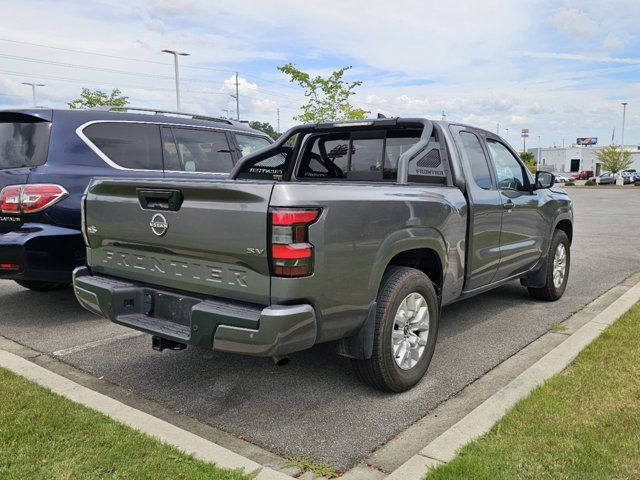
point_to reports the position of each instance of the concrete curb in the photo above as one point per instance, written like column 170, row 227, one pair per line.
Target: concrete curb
column 164, row 431
column 479, row 421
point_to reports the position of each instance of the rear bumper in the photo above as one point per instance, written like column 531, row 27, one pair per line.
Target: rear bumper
column 211, row 323
column 43, row 252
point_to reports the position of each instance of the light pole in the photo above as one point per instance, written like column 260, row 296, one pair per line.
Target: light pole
column 175, row 54
column 33, row 90
column 538, row 155
column 624, row 115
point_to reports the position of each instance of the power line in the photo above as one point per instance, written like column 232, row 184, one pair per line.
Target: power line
column 155, row 62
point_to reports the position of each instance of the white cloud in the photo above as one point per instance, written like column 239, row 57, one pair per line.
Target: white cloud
column 613, row 41
column 574, row 23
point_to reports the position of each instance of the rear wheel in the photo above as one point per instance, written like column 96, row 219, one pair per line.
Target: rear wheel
column 558, row 263
column 405, row 331
column 37, row 286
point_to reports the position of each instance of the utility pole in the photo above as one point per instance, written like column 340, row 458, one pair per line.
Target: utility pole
column 624, row 115
column 176, row 54
column 498, row 129
column 538, row 155
column 33, row 90
column 444, row 116
column 278, row 110
column 237, row 99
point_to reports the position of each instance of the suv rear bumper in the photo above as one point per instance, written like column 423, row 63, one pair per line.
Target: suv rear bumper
column 211, row 323
column 43, row 252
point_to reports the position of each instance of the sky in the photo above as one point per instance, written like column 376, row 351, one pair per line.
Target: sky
column 559, row 68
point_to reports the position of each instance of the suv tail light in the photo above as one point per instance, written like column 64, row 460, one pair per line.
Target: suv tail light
column 10, row 199
column 291, row 252
column 30, row 198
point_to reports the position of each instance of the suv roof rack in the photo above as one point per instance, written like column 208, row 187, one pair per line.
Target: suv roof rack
column 193, row 116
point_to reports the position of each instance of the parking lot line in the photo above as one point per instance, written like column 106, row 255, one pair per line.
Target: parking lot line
column 96, row 343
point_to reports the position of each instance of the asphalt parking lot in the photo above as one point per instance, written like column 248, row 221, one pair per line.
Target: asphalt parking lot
column 315, row 406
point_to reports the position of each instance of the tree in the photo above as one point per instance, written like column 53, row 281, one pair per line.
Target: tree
column 614, row 159
column 328, row 98
column 265, row 127
column 530, row 160
column 96, row 98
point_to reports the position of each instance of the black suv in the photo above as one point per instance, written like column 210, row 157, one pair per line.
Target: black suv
column 47, row 158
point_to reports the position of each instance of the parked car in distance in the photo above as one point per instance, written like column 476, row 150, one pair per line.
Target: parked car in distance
column 583, row 175
column 47, row 158
column 355, row 232
column 561, row 177
column 606, row 178
column 629, row 176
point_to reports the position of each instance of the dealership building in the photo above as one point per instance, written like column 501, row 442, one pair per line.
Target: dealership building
column 576, row 158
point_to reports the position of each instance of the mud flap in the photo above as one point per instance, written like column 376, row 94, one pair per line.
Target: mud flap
column 537, row 278
column 360, row 345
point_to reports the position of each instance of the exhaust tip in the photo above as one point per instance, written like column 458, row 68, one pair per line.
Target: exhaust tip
column 280, row 361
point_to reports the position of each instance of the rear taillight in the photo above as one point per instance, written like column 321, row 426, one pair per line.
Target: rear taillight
column 291, row 252
column 10, row 199
column 30, row 198
column 9, row 266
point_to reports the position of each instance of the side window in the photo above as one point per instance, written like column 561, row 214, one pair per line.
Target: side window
column 129, row 145
column 250, row 143
column 169, row 150
column 509, row 170
column 476, row 159
column 203, row 150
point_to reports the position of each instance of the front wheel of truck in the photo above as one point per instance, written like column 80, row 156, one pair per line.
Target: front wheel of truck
column 405, row 331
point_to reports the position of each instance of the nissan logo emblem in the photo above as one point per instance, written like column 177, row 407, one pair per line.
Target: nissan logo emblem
column 159, row 225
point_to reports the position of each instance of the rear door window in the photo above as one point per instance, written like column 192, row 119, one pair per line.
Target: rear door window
column 477, row 160
column 23, row 143
column 203, row 150
column 250, row 143
column 128, row 145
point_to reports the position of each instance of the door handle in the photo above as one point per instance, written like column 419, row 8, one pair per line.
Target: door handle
column 509, row 205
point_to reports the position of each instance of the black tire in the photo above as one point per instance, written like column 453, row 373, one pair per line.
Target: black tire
column 381, row 371
column 549, row 291
column 37, row 286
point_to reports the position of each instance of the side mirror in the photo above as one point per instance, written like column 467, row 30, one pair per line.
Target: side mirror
column 544, row 179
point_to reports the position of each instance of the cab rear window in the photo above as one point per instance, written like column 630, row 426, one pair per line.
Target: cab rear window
column 24, row 142
column 365, row 156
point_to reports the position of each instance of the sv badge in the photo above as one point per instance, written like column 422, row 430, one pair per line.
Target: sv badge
column 255, row 251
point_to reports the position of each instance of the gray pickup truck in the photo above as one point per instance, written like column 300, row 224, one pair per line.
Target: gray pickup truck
column 351, row 232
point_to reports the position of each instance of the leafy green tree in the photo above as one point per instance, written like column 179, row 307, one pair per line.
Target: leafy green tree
column 327, row 98
column 614, row 159
column 530, row 160
column 265, row 127
column 96, row 98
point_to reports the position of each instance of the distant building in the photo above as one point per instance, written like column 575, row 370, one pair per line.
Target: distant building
column 576, row 158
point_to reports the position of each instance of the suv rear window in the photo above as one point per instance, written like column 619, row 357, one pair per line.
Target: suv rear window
column 23, row 143
column 128, row 145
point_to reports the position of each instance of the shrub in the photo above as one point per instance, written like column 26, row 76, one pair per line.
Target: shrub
column 589, row 183
column 637, row 184
column 572, row 184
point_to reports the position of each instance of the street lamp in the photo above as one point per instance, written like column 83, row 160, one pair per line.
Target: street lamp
column 33, row 90
column 624, row 114
column 175, row 54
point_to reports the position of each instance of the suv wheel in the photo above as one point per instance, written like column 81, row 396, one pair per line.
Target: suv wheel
column 405, row 331
column 40, row 286
column 558, row 263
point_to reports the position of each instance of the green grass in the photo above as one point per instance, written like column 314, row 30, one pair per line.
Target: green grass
column 46, row 436
column 317, row 468
column 558, row 327
column 581, row 424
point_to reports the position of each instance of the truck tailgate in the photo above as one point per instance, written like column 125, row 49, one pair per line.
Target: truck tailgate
column 199, row 236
